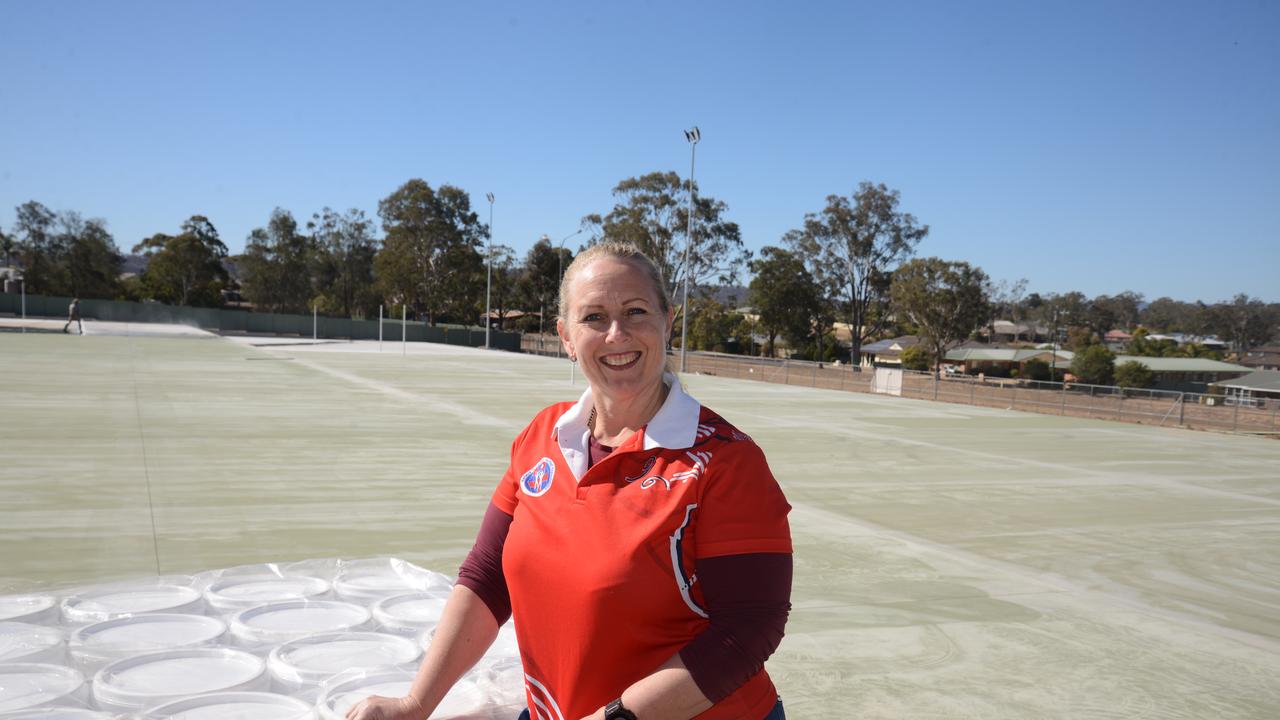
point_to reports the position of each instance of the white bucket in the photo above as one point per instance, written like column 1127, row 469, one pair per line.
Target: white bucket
column 94, row 646
column 59, row 713
column 300, row 666
column 27, row 643
column 134, row 683
column 342, row 692
column 410, row 614
column 277, row 623
column 113, row 601
column 34, row 609
column 366, row 581
column 232, row 706
column 235, row 593
column 32, row 685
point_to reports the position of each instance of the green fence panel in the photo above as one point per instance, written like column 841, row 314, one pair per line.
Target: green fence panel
column 243, row 321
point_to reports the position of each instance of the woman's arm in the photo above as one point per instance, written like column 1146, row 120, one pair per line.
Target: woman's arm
column 747, row 599
column 467, row 628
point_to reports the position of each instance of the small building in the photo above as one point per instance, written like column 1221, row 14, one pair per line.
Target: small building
column 1008, row 331
column 1266, row 357
column 1117, row 340
column 1185, row 374
column 1002, row 362
column 887, row 353
column 1256, row 389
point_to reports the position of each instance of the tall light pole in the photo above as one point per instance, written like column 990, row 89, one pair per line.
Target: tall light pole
column 560, row 257
column 488, row 285
column 693, row 136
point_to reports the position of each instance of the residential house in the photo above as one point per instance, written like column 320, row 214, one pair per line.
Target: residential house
column 1254, row 389
column 1002, row 361
column 887, row 353
column 1266, row 357
column 1186, row 374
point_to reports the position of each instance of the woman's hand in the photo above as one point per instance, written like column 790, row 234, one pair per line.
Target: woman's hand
column 385, row 708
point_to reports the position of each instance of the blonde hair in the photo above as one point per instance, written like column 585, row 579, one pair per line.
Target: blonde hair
column 622, row 251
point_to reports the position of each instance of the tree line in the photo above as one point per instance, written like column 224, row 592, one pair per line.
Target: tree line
column 851, row 262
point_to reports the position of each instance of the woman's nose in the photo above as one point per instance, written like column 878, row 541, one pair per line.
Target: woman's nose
column 617, row 330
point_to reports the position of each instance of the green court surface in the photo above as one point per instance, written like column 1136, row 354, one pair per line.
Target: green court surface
column 951, row 561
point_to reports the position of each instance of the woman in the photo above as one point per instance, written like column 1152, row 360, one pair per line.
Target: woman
column 638, row 539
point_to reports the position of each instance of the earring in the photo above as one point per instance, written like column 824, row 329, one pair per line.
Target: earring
column 573, row 358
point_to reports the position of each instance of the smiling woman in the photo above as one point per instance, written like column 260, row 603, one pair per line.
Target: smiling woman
column 638, row 540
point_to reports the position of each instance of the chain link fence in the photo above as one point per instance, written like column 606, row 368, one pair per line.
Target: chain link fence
column 1164, row 408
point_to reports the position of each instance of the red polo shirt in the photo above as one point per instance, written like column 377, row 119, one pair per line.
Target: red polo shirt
column 599, row 561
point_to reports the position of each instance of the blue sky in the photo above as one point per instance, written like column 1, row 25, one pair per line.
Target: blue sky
column 1093, row 146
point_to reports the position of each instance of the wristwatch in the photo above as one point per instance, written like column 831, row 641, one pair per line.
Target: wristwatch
column 615, row 711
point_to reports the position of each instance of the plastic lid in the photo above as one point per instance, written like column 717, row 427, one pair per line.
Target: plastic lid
column 231, row 706
column 28, row 608
column 23, row 642
column 346, row 690
column 243, row 592
column 117, row 600
column 280, row 622
column 137, row 634
column 58, row 713
column 29, row 685
column 411, row 612
column 312, row 660
column 144, row 680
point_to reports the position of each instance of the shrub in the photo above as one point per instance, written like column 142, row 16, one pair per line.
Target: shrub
column 1133, row 374
column 916, row 358
column 1094, row 365
column 1035, row 369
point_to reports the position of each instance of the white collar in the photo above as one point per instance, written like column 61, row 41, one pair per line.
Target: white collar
column 674, row 426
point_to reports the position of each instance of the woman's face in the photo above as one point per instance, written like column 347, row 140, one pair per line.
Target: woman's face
column 616, row 328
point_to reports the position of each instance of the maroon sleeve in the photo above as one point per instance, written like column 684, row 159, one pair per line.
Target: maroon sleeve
column 747, row 598
column 481, row 572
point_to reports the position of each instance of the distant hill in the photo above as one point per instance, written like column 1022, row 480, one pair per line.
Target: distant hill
column 135, row 264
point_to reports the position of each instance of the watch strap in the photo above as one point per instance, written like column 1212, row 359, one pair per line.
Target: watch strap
column 615, row 711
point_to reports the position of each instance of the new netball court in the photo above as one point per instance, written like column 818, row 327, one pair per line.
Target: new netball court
column 951, row 561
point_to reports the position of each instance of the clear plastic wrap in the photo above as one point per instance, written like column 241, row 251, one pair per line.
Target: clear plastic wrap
column 135, row 683
column 36, row 609
column 367, row 581
column 410, row 614
column 94, row 646
column 301, row 666
column 27, row 643
column 141, row 655
column 59, row 713
column 464, row 700
column 154, row 595
column 235, row 705
column 269, row 625
column 24, row 686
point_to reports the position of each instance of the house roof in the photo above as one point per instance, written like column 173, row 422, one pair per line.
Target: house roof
column 1006, row 327
column 1266, row 380
column 1118, row 335
column 1018, row 355
column 1167, row 364
column 883, row 347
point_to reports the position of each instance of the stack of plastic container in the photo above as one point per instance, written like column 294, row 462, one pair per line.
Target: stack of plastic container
column 303, row 641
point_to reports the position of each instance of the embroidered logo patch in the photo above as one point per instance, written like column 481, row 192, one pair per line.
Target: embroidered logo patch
column 537, row 480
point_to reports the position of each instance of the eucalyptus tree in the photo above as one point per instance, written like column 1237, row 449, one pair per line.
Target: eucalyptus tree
column 852, row 247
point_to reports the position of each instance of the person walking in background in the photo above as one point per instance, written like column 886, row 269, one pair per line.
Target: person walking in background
column 638, row 539
column 73, row 316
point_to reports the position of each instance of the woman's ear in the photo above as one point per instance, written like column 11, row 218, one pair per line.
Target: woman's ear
column 563, row 332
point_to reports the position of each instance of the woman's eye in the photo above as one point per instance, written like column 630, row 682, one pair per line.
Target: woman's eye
column 591, row 317
column 637, row 311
